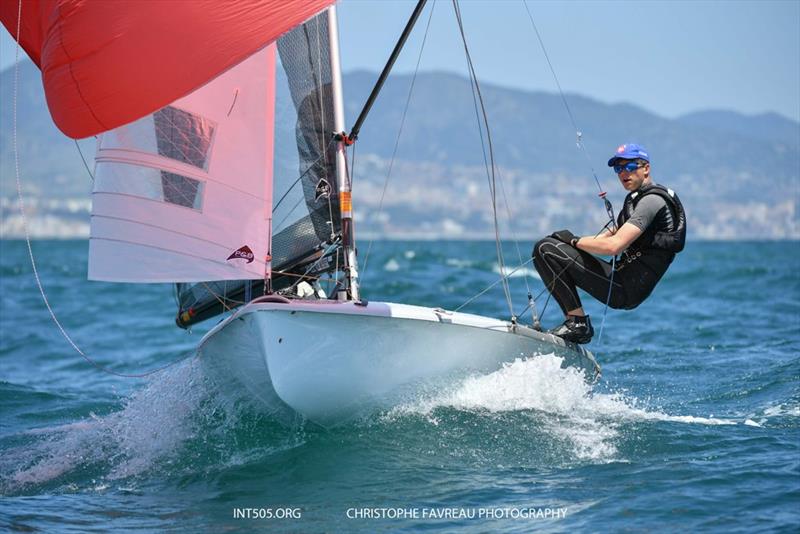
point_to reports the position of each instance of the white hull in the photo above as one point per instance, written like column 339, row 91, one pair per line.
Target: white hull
column 331, row 361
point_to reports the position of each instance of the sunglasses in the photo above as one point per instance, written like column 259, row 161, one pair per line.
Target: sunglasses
column 630, row 167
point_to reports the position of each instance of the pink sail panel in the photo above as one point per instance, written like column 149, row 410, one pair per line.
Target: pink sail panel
column 108, row 63
column 185, row 194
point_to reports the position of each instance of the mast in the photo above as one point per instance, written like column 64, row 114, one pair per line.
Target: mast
column 342, row 178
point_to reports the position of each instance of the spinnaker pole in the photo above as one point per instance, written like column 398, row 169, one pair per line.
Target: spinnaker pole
column 343, row 179
column 353, row 135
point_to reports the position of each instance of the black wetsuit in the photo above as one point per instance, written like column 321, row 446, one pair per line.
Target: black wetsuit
column 638, row 269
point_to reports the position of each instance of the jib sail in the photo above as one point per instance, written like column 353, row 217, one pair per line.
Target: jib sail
column 305, row 212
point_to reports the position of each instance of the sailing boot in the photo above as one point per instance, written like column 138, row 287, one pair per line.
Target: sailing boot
column 575, row 329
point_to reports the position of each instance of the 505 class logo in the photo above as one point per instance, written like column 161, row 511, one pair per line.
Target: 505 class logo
column 244, row 253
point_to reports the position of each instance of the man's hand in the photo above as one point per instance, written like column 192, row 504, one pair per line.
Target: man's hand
column 565, row 236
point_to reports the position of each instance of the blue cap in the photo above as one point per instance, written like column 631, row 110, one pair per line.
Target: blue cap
column 629, row 151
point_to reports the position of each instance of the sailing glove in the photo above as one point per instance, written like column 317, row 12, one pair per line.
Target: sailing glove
column 565, row 236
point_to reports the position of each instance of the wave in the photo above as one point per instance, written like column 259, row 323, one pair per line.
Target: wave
column 180, row 423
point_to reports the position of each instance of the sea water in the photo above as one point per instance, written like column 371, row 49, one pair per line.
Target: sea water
column 694, row 425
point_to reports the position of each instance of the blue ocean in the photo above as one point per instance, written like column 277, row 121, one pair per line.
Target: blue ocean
column 694, row 425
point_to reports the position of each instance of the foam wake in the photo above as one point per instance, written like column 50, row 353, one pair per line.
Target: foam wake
column 512, row 271
column 152, row 425
column 562, row 402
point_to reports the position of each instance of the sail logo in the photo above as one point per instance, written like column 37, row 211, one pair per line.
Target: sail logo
column 244, row 253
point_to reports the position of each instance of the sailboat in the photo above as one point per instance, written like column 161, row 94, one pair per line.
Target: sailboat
column 221, row 167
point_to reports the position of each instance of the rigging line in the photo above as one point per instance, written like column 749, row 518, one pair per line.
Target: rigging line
column 490, row 172
column 399, row 132
column 480, row 132
column 550, row 64
column 330, row 179
column 321, row 101
column 83, row 159
column 582, row 146
column 546, row 302
column 513, row 233
column 335, row 270
column 315, row 72
column 315, row 162
column 532, row 302
column 608, row 299
column 387, row 68
column 224, row 300
column 338, row 252
column 235, row 96
column 578, row 133
column 352, row 169
column 301, row 199
column 28, row 237
column 490, row 286
column 558, row 276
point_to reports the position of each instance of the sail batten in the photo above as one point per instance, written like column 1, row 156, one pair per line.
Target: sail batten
column 119, row 220
column 158, row 266
column 147, row 161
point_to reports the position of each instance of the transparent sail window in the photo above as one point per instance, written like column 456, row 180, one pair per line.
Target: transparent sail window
column 169, row 132
column 150, row 183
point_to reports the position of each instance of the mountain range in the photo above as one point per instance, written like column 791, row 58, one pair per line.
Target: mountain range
column 737, row 175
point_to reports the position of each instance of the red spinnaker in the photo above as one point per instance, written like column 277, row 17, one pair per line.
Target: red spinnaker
column 107, row 63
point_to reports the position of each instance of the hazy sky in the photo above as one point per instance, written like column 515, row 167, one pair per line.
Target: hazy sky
column 668, row 57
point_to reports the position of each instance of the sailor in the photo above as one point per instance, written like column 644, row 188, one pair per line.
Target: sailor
column 651, row 229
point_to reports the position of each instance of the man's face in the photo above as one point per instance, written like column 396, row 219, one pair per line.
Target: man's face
column 631, row 174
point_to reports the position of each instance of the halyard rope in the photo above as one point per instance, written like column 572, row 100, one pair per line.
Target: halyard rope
column 582, row 147
column 490, row 163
